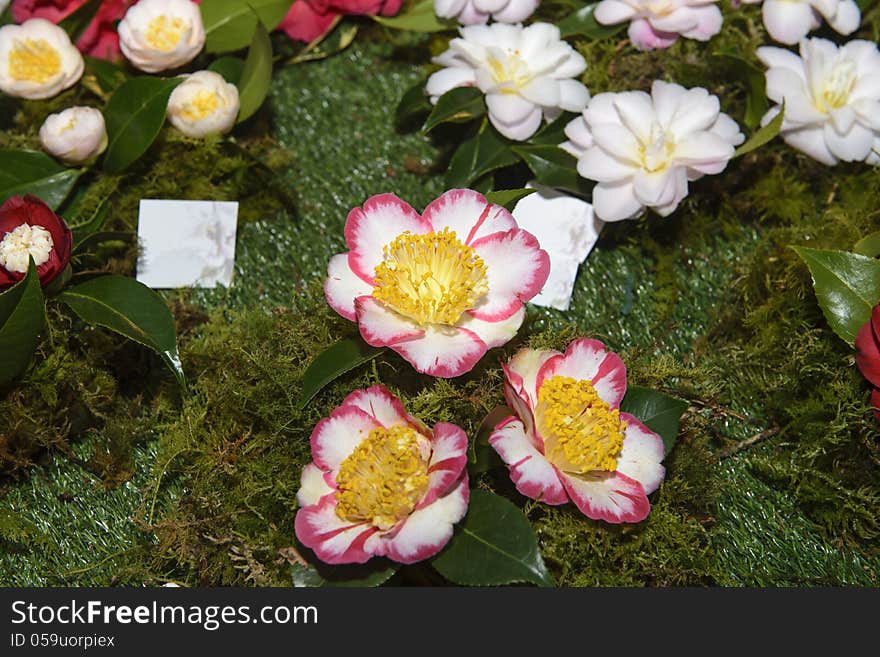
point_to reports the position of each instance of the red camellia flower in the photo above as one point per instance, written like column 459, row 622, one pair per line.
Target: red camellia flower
column 98, row 40
column 29, row 229
column 306, row 20
column 868, row 356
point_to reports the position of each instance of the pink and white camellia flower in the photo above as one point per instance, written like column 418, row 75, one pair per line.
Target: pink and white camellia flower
column 789, row 21
column 569, row 440
column 477, row 12
column 439, row 288
column 381, row 484
column 642, row 150
column 831, row 96
column 658, row 23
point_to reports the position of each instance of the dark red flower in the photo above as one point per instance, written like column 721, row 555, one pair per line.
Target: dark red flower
column 306, row 20
column 868, row 356
column 31, row 211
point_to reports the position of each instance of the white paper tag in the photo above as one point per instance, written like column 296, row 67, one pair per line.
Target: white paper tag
column 567, row 230
column 186, row 243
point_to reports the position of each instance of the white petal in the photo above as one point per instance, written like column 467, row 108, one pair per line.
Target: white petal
column 615, row 202
column 449, row 78
column 852, row 146
column 787, row 22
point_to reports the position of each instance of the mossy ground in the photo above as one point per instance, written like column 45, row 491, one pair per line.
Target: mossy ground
column 113, row 478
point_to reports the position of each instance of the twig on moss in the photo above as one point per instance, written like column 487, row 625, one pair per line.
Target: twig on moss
column 748, row 442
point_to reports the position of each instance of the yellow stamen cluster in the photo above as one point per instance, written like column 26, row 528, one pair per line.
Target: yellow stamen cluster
column 510, row 72
column 33, row 61
column 384, row 478
column 203, row 104
column 431, row 278
column 164, row 33
column 581, row 433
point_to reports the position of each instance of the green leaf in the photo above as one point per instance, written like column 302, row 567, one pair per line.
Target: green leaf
column 869, row 245
column 6, row 15
column 134, row 115
column 583, row 22
column 256, row 75
column 483, row 153
column 762, row 135
column 22, row 316
column 508, row 198
column 554, row 167
column 553, row 133
column 457, row 105
column 483, row 457
column 96, row 238
column 131, row 309
column 32, row 172
column 92, row 225
column 493, row 545
column 229, row 67
column 315, row 573
column 420, row 18
column 659, row 412
column 336, row 39
column 333, row 362
column 231, row 24
column 847, row 286
column 77, row 22
column 413, row 103
column 104, row 77
column 753, row 78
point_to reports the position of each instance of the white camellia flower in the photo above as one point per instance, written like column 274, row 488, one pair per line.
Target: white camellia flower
column 831, row 96
column 658, row 23
column 23, row 243
column 477, row 12
column 789, row 21
column 643, row 149
column 203, row 104
column 37, row 60
column 526, row 73
column 157, row 35
column 75, row 135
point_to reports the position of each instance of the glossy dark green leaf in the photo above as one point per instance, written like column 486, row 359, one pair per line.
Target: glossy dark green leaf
column 869, row 245
column 332, row 363
column 659, row 412
column 508, row 198
column 130, row 308
column 456, row 106
column 420, row 18
column 314, row 573
column 754, row 82
column 256, row 74
column 106, row 76
column 483, row 457
column 134, row 115
column 32, row 172
column 553, row 133
column 762, row 135
column 554, row 167
column 582, row 22
column 413, row 103
column 77, row 22
column 494, row 545
column 847, row 286
column 22, row 317
column 230, row 24
column 483, row 153
column 100, row 237
column 6, row 15
column 92, row 224
column 229, row 67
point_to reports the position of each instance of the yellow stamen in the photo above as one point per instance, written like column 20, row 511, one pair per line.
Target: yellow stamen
column 432, row 278
column 203, row 104
column 581, row 433
column 835, row 89
column 33, row 61
column 383, row 479
column 164, row 33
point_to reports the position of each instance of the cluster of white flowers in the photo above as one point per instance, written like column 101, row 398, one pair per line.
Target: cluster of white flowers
column 789, row 21
column 476, row 12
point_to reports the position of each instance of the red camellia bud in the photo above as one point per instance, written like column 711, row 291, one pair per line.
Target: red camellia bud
column 868, row 356
column 29, row 229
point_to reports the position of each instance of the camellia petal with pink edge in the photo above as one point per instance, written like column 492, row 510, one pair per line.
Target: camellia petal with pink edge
column 381, row 484
column 568, row 440
column 440, row 288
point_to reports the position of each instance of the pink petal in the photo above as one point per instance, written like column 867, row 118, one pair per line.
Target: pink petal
column 468, row 214
column 494, row 334
column 380, row 326
column 368, row 229
column 517, row 268
column 386, row 409
column 342, row 286
column 333, row 539
column 587, row 360
column 525, row 365
column 642, row 453
column 518, row 403
column 335, row 437
column 443, row 351
column 448, row 461
column 533, row 475
column 612, row 497
column 868, row 354
column 313, row 486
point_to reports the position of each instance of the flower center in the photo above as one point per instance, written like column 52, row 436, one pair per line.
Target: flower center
column 164, row 33
column 581, row 433
column 431, row 278
column 384, row 478
column 202, row 105
column 24, row 242
column 661, row 7
column 509, row 70
column 836, row 88
column 657, row 152
column 34, row 61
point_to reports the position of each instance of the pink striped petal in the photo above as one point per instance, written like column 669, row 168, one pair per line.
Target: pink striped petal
column 342, row 286
column 426, row 531
column 467, row 213
column 335, row 437
column 313, row 486
column 612, row 496
column 642, row 454
column 443, row 351
column 519, row 405
column 380, row 326
column 526, row 364
column 448, row 461
column 517, row 269
column 334, row 540
column 368, row 229
column 533, row 475
column 386, row 409
column 587, row 360
column 494, row 334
